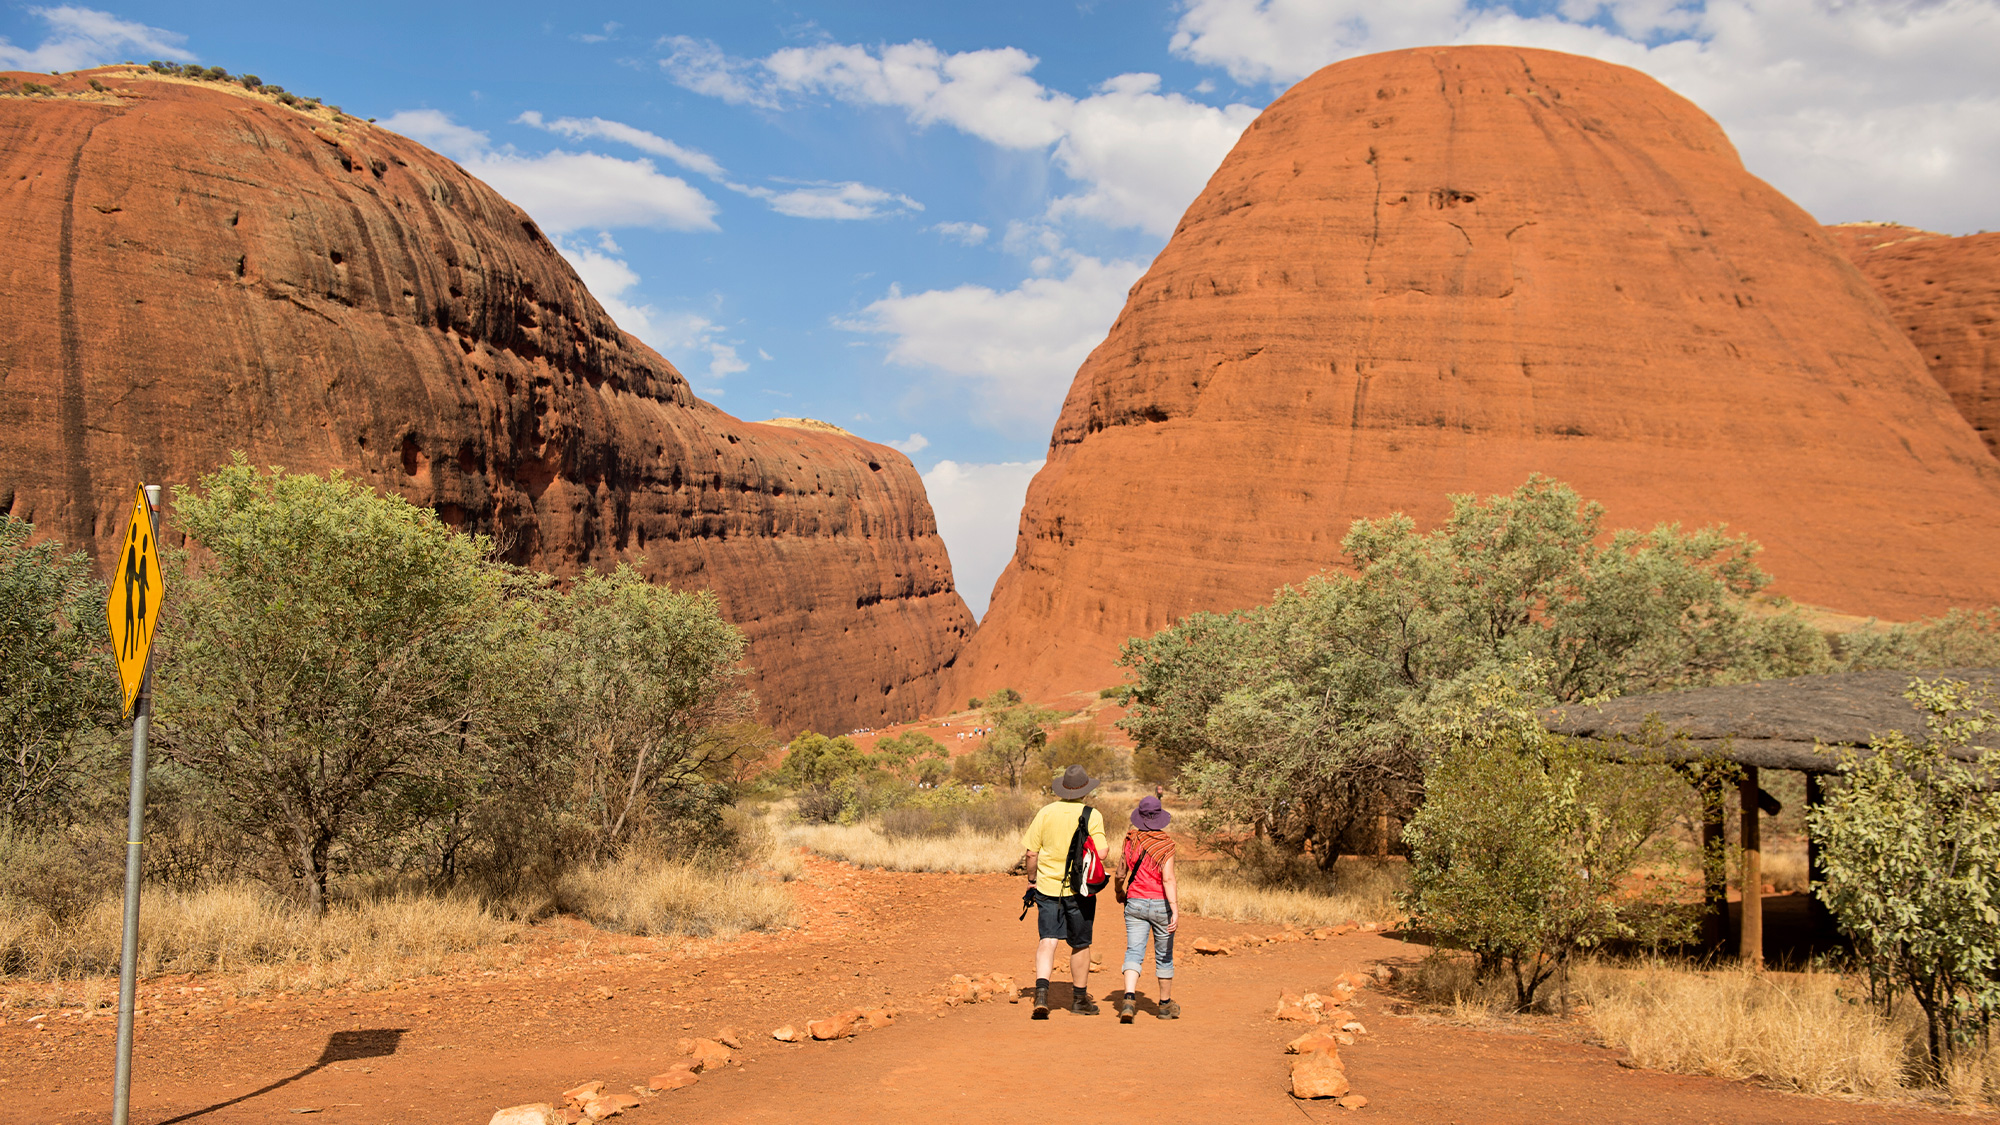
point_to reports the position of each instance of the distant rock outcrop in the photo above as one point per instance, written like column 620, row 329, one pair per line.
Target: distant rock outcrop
column 1944, row 292
column 1439, row 271
column 188, row 269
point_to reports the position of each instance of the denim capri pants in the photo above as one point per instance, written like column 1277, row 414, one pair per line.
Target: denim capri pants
column 1143, row 916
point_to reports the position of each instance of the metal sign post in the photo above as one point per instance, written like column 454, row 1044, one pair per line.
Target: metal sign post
column 133, row 609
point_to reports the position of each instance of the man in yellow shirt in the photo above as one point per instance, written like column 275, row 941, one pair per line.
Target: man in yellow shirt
column 1061, row 913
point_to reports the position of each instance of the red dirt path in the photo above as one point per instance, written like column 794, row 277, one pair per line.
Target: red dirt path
column 587, row 1006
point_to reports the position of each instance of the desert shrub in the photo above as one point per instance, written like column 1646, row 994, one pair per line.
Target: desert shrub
column 57, row 685
column 37, row 89
column 288, row 98
column 914, row 756
column 813, row 759
column 1910, row 839
column 215, row 74
column 647, row 688
column 912, row 820
column 249, row 81
column 1524, row 843
column 334, row 672
column 1001, row 813
column 1083, row 744
column 951, row 809
column 820, row 806
column 1961, row 638
column 1300, row 719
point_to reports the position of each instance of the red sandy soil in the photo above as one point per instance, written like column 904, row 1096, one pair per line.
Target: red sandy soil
column 585, row 1006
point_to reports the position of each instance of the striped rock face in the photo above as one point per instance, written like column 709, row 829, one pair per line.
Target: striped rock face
column 1945, row 293
column 187, row 269
column 1441, row 270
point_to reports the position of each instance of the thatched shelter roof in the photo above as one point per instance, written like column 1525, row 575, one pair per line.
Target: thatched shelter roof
column 1771, row 724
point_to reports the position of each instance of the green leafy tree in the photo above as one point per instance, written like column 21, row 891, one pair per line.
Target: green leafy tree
column 1910, row 839
column 56, row 679
column 323, row 669
column 649, row 685
column 1298, row 718
column 813, row 759
column 1019, row 732
column 914, row 756
column 1083, row 744
column 1524, row 845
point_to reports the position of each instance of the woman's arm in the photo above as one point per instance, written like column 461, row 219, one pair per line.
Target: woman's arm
column 1173, row 896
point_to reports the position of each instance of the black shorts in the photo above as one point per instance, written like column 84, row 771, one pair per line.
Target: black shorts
column 1068, row 918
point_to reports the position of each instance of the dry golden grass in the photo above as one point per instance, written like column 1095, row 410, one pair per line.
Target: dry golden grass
column 1359, row 891
column 643, row 896
column 864, row 845
column 1785, row 869
column 1792, row 1030
column 1807, row 1032
column 221, row 929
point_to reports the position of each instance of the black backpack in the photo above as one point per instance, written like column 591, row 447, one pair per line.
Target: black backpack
column 1083, row 870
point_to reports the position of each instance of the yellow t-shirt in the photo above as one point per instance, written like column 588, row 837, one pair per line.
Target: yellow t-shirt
column 1049, row 833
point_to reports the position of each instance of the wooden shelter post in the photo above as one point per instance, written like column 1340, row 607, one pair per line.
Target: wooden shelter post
column 1750, row 936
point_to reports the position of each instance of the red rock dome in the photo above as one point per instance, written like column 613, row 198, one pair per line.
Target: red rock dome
column 1945, row 293
column 1439, row 271
column 189, row 268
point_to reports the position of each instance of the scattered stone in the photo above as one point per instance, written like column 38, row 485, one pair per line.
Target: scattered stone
column 731, row 1038
column 677, row 1077
column 1354, row 1026
column 1311, row 1041
column 1356, row 981
column 878, row 1017
column 707, row 1054
column 609, row 1105
column 786, row 1034
column 1318, row 1075
column 535, row 1113
column 1384, row 974
column 1346, row 1040
column 577, row 1095
column 1352, row 1101
column 1291, row 1006
column 1212, row 948
column 835, row 1027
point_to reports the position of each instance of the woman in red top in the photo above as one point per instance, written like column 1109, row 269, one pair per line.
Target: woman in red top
column 1152, row 906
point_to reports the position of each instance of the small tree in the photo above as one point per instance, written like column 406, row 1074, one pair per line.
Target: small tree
column 648, row 685
column 323, row 671
column 1020, row 730
column 1910, row 840
column 1524, row 843
column 812, row 759
column 914, row 756
column 56, row 683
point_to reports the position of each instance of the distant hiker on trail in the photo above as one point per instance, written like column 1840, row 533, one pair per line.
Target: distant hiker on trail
column 1065, row 848
column 1152, row 905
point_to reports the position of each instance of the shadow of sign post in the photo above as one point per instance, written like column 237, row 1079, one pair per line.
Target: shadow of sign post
column 341, row 1046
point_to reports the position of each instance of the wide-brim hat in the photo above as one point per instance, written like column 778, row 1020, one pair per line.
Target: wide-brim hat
column 1149, row 816
column 1074, row 783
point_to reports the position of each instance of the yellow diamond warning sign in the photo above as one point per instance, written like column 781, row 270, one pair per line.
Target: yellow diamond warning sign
column 135, row 598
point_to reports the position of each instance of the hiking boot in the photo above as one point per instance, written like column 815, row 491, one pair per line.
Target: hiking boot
column 1083, row 1005
column 1041, row 1003
column 1127, row 1010
column 1170, row 1009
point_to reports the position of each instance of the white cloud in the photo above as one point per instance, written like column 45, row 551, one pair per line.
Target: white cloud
column 81, row 37
column 609, row 279
column 978, row 510
column 566, row 191
column 1019, row 347
column 1861, row 109
column 684, row 334
column 701, row 66
column 582, row 128
column 844, row 200
column 909, row 446
column 1141, row 156
column 970, row 234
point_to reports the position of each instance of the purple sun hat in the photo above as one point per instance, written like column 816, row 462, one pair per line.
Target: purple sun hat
column 1149, row 816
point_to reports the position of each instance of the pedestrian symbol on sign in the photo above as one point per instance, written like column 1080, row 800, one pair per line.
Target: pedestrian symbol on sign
column 135, row 598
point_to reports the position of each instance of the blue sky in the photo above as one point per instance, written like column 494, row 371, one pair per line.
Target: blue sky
column 914, row 220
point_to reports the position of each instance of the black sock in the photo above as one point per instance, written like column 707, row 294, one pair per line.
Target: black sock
column 1041, row 984
column 1131, row 995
